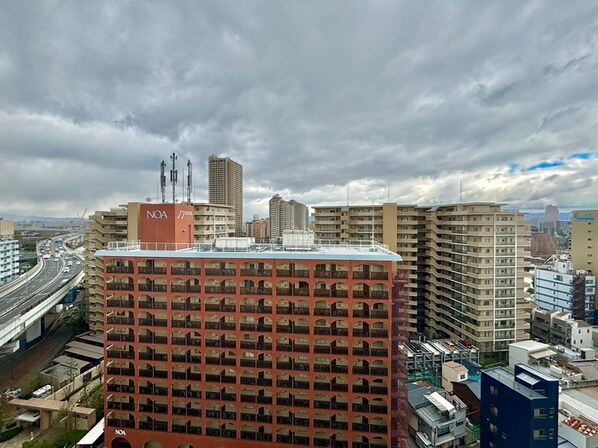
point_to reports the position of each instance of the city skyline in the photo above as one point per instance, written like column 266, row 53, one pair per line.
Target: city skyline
column 318, row 102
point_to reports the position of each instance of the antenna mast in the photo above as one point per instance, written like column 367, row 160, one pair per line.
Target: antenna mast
column 189, row 180
column 173, row 176
column 163, row 180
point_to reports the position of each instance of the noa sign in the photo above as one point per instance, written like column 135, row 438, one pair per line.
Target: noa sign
column 156, row 214
column 120, row 432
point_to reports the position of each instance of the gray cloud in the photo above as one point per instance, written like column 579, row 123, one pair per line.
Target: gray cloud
column 310, row 97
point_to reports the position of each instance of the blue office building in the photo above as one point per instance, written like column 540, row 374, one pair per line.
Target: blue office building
column 520, row 409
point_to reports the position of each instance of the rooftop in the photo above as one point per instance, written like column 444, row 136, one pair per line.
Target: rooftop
column 506, row 377
column 530, row 345
column 456, row 366
column 240, row 248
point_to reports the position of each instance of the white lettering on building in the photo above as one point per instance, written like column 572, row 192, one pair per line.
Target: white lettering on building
column 183, row 214
column 156, row 214
column 120, row 432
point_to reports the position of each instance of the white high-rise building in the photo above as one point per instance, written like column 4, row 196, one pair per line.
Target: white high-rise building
column 291, row 215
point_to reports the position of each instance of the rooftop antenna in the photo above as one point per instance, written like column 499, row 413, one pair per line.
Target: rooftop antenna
column 189, row 180
column 173, row 176
column 460, row 191
column 347, row 195
column 388, row 187
column 162, row 184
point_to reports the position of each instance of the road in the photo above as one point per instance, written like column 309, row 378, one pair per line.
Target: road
column 18, row 369
column 50, row 278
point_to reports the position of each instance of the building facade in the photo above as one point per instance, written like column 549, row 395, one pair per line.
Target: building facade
column 226, row 186
column 584, row 235
column 519, row 409
column 122, row 224
column 258, row 229
column 437, row 418
column 559, row 328
column 558, row 286
column 465, row 264
column 9, row 252
column 236, row 344
column 286, row 215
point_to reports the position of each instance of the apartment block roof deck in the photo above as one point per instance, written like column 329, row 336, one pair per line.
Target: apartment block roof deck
column 505, row 377
column 358, row 250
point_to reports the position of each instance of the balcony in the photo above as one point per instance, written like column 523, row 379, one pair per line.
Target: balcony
column 256, row 272
column 185, row 288
column 125, row 371
column 152, row 270
column 146, row 373
column 179, row 270
column 120, row 337
column 153, row 322
column 124, row 388
column 152, row 305
column 185, row 323
column 149, row 356
column 120, row 303
column 151, row 287
column 185, row 306
column 114, row 286
column 153, row 390
column 221, row 272
column 120, row 423
column 120, row 269
column 255, row 290
column 195, row 342
column 256, row 309
column 293, row 292
column 298, row 273
column 151, row 339
column 221, row 290
column 120, row 320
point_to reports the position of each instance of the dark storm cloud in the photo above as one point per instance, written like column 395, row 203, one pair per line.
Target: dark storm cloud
column 392, row 99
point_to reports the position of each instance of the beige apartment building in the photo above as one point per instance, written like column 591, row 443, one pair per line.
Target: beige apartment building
column 286, row 215
column 226, row 186
column 465, row 264
column 584, row 240
column 122, row 224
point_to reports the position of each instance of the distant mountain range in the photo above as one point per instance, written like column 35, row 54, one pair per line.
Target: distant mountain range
column 12, row 217
column 540, row 216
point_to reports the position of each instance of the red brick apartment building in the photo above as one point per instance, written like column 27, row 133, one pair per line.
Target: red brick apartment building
column 238, row 345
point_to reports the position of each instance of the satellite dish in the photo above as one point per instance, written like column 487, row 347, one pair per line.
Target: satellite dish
column 148, row 199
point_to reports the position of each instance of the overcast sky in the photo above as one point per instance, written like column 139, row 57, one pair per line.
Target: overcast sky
column 383, row 99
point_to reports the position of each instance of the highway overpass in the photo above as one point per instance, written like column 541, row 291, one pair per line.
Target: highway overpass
column 24, row 302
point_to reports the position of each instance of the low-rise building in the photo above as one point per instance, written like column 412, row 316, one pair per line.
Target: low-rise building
column 519, row 409
column 528, row 352
column 559, row 328
column 437, row 418
column 470, row 393
column 453, row 371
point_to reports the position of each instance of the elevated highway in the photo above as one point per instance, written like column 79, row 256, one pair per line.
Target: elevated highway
column 23, row 304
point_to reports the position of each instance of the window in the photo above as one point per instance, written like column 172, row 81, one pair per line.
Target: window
column 540, row 434
column 494, row 429
column 540, row 413
column 493, row 391
column 494, row 411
